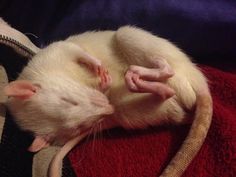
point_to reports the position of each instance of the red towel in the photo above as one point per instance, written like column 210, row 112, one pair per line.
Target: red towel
column 145, row 153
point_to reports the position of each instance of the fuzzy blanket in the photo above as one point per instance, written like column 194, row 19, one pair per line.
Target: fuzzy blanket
column 144, row 153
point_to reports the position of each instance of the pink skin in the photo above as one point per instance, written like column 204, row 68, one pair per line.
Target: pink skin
column 150, row 80
column 39, row 143
column 99, row 70
column 106, row 79
column 20, row 89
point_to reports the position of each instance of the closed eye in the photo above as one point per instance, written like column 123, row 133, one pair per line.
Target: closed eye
column 70, row 101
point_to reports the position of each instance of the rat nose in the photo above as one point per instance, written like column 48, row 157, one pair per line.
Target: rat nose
column 109, row 109
column 101, row 102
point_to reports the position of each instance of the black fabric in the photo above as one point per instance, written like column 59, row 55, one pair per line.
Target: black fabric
column 15, row 160
column 67, row 170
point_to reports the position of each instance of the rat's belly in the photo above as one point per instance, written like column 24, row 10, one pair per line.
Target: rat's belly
column 136, row 110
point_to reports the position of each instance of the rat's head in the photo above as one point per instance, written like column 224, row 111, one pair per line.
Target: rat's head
column 56, row 105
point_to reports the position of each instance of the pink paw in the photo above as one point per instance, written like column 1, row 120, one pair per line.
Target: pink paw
column 136, row 83
column 129, row 80
column 105, row 78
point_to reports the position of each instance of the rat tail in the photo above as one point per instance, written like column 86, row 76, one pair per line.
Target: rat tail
column 195, row 138
column 55, row 167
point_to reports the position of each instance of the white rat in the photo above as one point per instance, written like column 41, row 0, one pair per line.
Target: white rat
column 59, row 98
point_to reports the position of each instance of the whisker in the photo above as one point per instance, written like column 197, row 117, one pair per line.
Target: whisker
column 100, row 134
column 89, row 135
column 86, row 140
column 94, row 137
column 82, row 156
column 100, row 130
column 108, row 132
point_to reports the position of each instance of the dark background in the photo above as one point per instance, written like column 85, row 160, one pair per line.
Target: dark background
column 206, row 30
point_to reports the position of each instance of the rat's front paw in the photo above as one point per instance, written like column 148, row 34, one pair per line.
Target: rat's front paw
column 105, row 78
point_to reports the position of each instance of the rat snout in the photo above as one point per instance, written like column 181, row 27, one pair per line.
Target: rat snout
column 101, row 101
column 106, row 108
column 109, row 109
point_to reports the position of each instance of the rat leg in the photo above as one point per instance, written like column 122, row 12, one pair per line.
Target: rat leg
column 145, row 53
column 95, row 65
column 100, row 71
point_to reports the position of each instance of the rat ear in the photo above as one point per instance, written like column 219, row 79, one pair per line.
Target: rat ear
column 38, row 143
column 21, row 89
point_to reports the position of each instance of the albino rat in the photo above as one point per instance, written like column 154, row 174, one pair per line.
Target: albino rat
column 59, row 98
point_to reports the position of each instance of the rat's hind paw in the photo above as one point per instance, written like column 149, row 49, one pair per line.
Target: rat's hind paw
column 144, row 80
